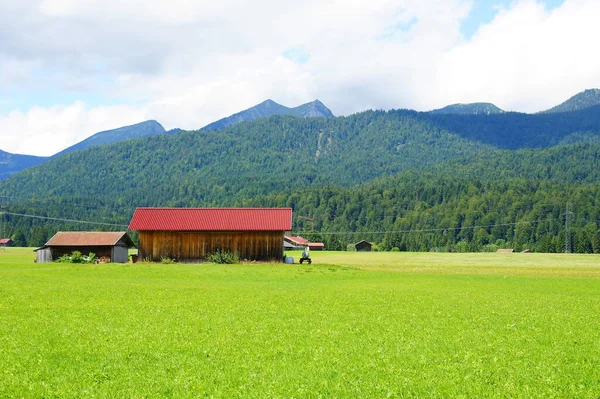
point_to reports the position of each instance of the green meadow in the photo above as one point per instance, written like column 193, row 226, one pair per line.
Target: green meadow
column 351, row 325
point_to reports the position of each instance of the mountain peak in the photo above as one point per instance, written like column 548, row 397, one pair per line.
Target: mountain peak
column 314, row 109
column 470, row 109
column 585, row 99
column 268, row 103
column 146, row 128
column 269, row 107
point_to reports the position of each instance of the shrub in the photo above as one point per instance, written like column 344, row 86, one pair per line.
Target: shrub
column 167, row 261
column 223, row 257
column 64, row 259
column 77, row 257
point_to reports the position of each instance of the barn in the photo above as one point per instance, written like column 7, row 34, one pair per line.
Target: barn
column 191, row 234
column 113, row 246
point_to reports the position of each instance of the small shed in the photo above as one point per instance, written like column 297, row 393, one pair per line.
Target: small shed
column 110, row 245
column 191, row 234
column 6, row 242
column 363, row 246
column 298, row 242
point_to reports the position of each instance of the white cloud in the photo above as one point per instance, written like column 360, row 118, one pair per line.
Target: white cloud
column 46, row 131
column 187, row 64
column 526, row 59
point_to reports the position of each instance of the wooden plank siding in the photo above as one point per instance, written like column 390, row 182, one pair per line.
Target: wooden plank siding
column 194, row 246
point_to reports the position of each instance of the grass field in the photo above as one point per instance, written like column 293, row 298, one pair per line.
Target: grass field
column 414, row 325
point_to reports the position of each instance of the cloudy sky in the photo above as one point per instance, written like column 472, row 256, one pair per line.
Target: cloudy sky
column 71, row 68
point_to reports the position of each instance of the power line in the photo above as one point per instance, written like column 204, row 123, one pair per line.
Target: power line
column 426, row 230
column 433, row 230
column 66, row 220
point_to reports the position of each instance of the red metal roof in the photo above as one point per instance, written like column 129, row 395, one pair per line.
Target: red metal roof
column 4, row 241
column 211, row 219
column 88, row 238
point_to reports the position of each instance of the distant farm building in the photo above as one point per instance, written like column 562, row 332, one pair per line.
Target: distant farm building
column 112, row 246
column 363, row 246
column 297, row 242
column 505, row 251
column 191, row 234
column 6, row 242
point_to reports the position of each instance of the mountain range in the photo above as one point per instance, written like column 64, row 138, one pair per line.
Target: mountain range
column 363, row 172
column 12, row 163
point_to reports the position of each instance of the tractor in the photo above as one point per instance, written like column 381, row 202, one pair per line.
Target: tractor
column 305, row 257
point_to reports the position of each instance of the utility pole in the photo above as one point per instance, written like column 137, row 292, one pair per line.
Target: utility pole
column 2, row 212
column 568, row 214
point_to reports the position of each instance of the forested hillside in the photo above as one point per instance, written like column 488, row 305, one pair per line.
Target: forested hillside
column 472, row 108
column 449, row 208
column 512, row 130
column 425, row 211
column 246, row 160
column 13, row 163
column 415, row 181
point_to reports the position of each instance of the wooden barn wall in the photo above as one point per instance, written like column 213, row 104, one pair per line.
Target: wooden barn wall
column 43, row 255
column 195, row 246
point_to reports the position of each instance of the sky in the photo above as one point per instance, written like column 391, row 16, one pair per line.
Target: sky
column 71, row 68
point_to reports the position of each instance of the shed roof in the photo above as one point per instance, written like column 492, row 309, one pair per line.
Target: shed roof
column 4, row 241
column 301, row 242
column 88, row 239
column 297, row 240
column 211, row 219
